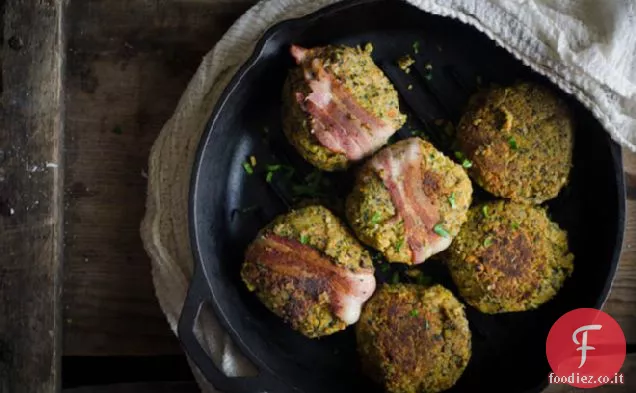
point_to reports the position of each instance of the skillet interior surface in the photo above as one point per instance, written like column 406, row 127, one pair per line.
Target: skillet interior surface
column 229, row 206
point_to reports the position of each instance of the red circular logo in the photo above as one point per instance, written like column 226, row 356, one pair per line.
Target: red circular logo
column 586, row 349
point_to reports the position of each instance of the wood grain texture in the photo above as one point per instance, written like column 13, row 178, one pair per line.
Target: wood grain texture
column 128, row 63
column 622, row 300
column 31, row 108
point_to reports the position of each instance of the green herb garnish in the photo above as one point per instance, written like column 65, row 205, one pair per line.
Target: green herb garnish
column 395, row 279
column 484, row 211
column 415, row 313
column 466, row 163
column 513, row 143
column 376, row 218
column 399, row 244
column 248, row 168
column 487, row 241
column 515, row 225
column 304, row 239
column 451, row 200
column 275, row 168
column 416, row 47
column 385, row 267
column 441, row 231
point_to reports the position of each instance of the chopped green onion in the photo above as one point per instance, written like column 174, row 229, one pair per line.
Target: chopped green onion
column 513, row 143
column 459, row 155
column 484, row 211
column 416, row 47
column 426, row 325
column 515, row 225
column 451, row 200
column 376, row 218
column 304, row 239
column 385, row 267
column 439, row 229
column 269, row 176
column 395, row 278
column 428, row 66
column 415, row 313
column 248, row 168
column 399, row 244
column 467, row 163
column 487, row 241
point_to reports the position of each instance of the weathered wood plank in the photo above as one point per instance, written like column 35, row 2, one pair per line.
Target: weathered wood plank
column 30, row 194
column 124, row 80
column 622, row 301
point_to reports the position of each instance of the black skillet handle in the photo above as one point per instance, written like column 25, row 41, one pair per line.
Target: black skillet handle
column 199, row 293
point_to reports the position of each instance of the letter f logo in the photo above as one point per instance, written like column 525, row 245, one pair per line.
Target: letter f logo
column 584, row 347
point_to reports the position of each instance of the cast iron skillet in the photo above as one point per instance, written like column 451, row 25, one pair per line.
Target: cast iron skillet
column 508, row 349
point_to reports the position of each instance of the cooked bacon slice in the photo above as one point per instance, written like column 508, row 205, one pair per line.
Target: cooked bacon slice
column 312, row 271
column 401, row 170
column 339, row 122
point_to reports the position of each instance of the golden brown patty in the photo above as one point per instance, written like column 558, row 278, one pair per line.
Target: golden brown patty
column 519, row 140
column 379, row 223
column 308, row 269
column 414, row 339
column 354, row 67
column 509, row 257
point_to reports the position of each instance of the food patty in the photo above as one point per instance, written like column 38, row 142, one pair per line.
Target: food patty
column 338, row 106
column 519, row 140
column 308, row 269
column 414, row 339
column 409, row 201
column 509, row 257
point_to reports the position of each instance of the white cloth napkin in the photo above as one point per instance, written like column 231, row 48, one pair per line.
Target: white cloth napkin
column 587, row 47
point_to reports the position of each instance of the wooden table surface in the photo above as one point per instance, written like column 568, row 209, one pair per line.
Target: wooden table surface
column 74, row 223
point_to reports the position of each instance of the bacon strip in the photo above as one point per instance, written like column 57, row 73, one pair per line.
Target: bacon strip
column 339, row 122
column 400, row 168
column 310, row 269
